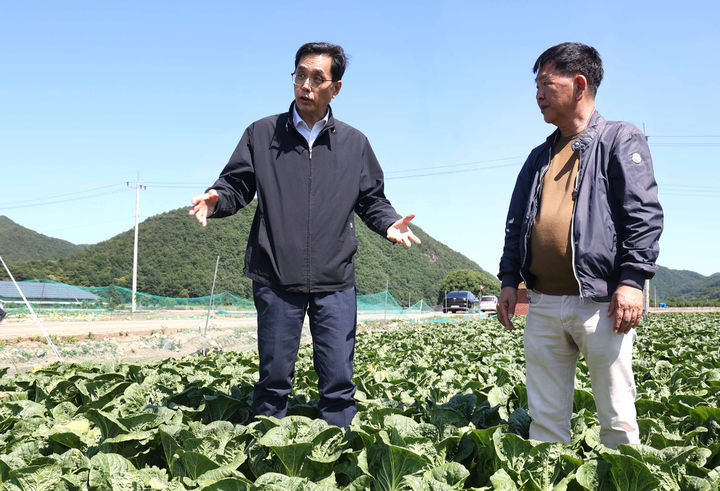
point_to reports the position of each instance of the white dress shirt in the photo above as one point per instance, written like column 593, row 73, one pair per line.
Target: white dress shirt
column 307, row 133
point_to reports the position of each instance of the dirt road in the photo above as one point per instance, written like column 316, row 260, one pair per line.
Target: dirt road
column 139, row 337
column 101, row 328
column 95, row 326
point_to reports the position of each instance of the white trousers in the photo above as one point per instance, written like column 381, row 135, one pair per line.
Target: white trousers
column 557, row 330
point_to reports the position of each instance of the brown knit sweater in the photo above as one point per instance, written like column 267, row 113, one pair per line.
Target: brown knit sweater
column 550, row 239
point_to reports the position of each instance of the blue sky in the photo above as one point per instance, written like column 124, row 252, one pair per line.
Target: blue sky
column 93, row 93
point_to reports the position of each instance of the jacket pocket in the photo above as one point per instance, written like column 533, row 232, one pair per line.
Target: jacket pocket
column 612, row 233
column 350, row 229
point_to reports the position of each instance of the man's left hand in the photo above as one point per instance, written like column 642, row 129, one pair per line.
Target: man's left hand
column 627, row 308
column 400, row 232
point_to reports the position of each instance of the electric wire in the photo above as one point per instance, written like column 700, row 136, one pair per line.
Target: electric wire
column 46, row 202
column 56, row 196
column 443, row 173
column 394, row 175
column 443, row 166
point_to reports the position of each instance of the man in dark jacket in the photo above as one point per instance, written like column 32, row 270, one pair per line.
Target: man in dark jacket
column 582, row 232
column 311, row 173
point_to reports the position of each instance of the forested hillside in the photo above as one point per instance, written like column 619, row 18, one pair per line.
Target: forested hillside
column 708, row 288
column 18, row 243
column 684, row 285
column 669, row 281
column 177, row 258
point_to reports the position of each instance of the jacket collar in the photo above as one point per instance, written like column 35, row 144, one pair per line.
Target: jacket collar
column 597, row 122
column 593, row 128
column 330, row 125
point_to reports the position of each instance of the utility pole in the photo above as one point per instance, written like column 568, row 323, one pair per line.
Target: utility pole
column 135, row 246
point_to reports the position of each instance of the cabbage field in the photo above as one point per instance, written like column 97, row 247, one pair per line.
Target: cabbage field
column 442, row 405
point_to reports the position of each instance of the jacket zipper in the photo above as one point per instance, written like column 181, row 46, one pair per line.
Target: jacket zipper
column 572, row 225
column 538, row 192
column 575, row 195
column 307, row 260
column 309, row 228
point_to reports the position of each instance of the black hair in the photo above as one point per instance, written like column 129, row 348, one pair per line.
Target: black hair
column 339, row 59
column 574, row 58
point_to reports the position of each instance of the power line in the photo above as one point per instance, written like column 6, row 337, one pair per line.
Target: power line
column 52, row 197
column 175, row 186
column 690, row 187
column 683, row 136
column 53, row 202
column 444, row 173
column 684, row 144
column 442, row 166
column 415, row 172
column 686, row 192
column 693, row 195
column 694, row 191
column 700, row 144
column 85, row 226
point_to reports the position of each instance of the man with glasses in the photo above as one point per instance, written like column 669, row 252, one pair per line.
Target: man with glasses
column 311, row 173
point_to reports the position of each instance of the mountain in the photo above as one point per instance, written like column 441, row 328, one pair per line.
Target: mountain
column 668, row 282
column 177, row 259
column 684, row 285
column 18, row 243
column 709, row 288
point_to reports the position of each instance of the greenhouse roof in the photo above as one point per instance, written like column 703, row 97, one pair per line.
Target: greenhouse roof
column 43, row 291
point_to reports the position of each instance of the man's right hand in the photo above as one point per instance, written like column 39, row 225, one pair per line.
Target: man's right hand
column 506, row 307
column 204, row 206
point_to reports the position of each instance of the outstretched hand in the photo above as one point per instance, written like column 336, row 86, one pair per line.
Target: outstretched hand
column 400, row 232
column 204, row 206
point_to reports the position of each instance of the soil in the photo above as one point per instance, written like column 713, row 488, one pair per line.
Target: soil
column 142, row 336
column 155, row 335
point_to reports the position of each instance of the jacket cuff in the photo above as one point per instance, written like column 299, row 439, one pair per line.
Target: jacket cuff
column 385, row 228
column 217, row 212
column 632, row 278
column 510, row 280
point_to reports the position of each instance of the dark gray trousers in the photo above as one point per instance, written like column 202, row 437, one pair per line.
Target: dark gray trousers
column 333, row 317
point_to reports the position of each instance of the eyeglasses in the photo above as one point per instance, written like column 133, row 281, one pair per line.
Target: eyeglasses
column 299, row 80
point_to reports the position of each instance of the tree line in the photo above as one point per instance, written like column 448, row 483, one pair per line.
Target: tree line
column 176, row 258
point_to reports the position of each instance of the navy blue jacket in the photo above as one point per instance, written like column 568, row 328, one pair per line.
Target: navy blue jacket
column 617, row 219
column 302, row 238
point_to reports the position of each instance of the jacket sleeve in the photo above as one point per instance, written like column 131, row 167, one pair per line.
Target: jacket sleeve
column 236, row 184
column 635, row 196
column 372, row 206
column 511, row 260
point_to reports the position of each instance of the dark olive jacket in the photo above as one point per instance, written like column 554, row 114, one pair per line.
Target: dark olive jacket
column 303, row 235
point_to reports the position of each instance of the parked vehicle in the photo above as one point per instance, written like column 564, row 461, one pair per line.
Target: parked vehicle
column 459, row 301
column 488, row 303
